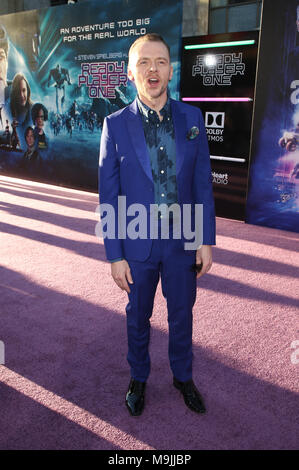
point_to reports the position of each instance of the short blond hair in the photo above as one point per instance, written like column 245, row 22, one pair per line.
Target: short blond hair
column 155, row 37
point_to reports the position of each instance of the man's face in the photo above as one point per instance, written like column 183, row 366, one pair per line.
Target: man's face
column 30, row 139
column 3, row 67
column 23, row 92
column 150, row 69
column 39, row 121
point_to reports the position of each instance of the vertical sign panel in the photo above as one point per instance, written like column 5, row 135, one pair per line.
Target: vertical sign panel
column 218, row 75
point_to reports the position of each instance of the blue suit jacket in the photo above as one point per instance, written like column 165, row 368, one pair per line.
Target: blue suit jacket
column 125, row 170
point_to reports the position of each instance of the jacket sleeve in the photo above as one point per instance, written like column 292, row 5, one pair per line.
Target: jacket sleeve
column 109, row 190
column 202, row 185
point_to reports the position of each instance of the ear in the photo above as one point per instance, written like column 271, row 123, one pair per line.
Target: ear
column 130, row 74
column 171, row 73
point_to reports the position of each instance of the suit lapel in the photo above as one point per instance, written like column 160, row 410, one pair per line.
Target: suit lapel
column 136, row 132
column 180, row 131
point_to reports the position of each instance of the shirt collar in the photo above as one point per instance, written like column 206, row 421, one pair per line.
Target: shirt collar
column 147, row 112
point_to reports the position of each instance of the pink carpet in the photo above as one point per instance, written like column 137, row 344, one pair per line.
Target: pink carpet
column 62, row 323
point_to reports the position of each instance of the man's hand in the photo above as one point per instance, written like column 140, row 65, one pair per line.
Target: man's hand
column 204, row 256
column 121, row 274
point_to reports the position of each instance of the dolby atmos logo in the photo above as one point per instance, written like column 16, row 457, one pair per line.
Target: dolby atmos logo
column 214, row 122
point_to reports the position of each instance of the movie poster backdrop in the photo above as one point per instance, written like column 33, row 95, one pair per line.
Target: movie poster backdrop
column 62, row 70
column 273, row 194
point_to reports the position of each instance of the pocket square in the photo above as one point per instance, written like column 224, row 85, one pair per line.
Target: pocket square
column 194, row 131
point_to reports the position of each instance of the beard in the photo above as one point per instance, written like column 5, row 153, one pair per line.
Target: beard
column 154, row 93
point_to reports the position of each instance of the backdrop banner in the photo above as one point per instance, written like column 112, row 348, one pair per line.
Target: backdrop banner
column 62, row 70
column 273, row 194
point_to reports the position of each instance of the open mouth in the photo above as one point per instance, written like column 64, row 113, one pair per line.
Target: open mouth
column 153, row 81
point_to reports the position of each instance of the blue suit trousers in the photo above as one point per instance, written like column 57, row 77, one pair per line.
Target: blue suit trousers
column 169, row 260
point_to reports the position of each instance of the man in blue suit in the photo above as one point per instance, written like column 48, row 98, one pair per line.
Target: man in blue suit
column 154, row 156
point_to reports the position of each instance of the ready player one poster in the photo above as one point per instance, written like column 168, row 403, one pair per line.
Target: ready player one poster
column 273, row 195
column 62, row 70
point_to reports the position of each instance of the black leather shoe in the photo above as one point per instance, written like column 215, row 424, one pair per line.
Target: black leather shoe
column 135, row 397
column 191, row 395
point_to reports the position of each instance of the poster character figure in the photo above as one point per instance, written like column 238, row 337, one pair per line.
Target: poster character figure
column 4, row 83
column 287, row 166
column 39, row 115
column 7, row 133
column 290, row 139
column 295, row 173
column 57, row 124
column 91, row 121
column 15, row 141
column 20, row 101
column 5, row 136
column 69, row 123
column 60, row 75
column 74, row 112
column 31, row 160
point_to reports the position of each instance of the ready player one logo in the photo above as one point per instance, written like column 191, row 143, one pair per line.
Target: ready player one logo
column 102, row 78
column 214, row 123
column 218, row 69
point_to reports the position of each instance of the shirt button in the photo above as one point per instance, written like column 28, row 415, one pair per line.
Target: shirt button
column 161, row 148
column 147, row 120
column 162, row 171
column 157, row 125
column 151, row 112
column 162, row 194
